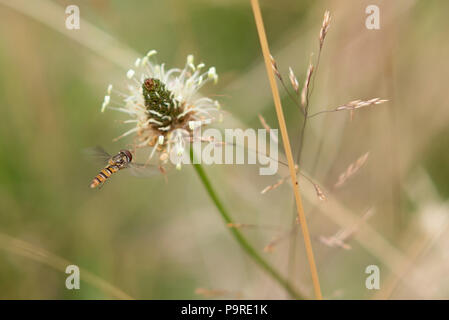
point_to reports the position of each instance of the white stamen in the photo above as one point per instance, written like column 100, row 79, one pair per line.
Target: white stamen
column 190, row 59
column 189, row 82
column 106, row 101
column 155, row 113
column 212, row 74
column 160, row 140
column 165, row 128
column 130, row 73
column 192, row 125
column 155, row 122
column 151, row 53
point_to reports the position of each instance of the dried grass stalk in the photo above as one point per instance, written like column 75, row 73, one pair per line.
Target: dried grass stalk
column 286, row 142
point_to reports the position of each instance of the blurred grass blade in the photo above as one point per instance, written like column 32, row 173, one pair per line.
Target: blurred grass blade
column 32, row 252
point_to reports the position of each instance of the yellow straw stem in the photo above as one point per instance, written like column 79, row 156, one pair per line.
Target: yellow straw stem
column 286, row 142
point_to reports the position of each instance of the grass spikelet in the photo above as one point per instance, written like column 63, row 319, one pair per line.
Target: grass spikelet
column 324, row 27
column 305, row 89
column 351, row 170
column 275, row 67
column 274, row 186
column 352, row 106
column 357, row 104
column 293, row 80
column 319, row 192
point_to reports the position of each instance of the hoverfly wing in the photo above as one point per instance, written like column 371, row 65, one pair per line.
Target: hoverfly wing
column 142, row 170
column 98, row 154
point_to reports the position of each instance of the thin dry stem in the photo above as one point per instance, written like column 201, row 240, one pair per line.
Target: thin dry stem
column 276, row 240
column 286, row 142
column 319, row 192
column 268, row 128
column 238, row 225
column 338, row 239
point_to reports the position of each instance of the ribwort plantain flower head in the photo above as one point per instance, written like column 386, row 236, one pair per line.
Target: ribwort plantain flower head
column 164, row 106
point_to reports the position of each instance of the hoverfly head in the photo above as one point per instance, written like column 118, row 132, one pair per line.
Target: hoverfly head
column 126, row 155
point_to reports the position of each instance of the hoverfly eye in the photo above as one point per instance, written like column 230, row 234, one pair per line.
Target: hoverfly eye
column 127, row 156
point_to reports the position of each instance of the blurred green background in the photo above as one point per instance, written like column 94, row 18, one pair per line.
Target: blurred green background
column 157, row 240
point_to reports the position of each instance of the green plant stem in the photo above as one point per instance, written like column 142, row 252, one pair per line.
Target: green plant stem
column 244, row 244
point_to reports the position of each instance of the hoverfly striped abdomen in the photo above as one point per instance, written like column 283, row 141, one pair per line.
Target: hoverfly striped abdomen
column 103, row 175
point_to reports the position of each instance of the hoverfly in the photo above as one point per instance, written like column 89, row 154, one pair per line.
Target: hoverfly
column 122, row 160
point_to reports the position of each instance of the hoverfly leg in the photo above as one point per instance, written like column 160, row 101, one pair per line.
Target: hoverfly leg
column 164, row 172
column 101, row 185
